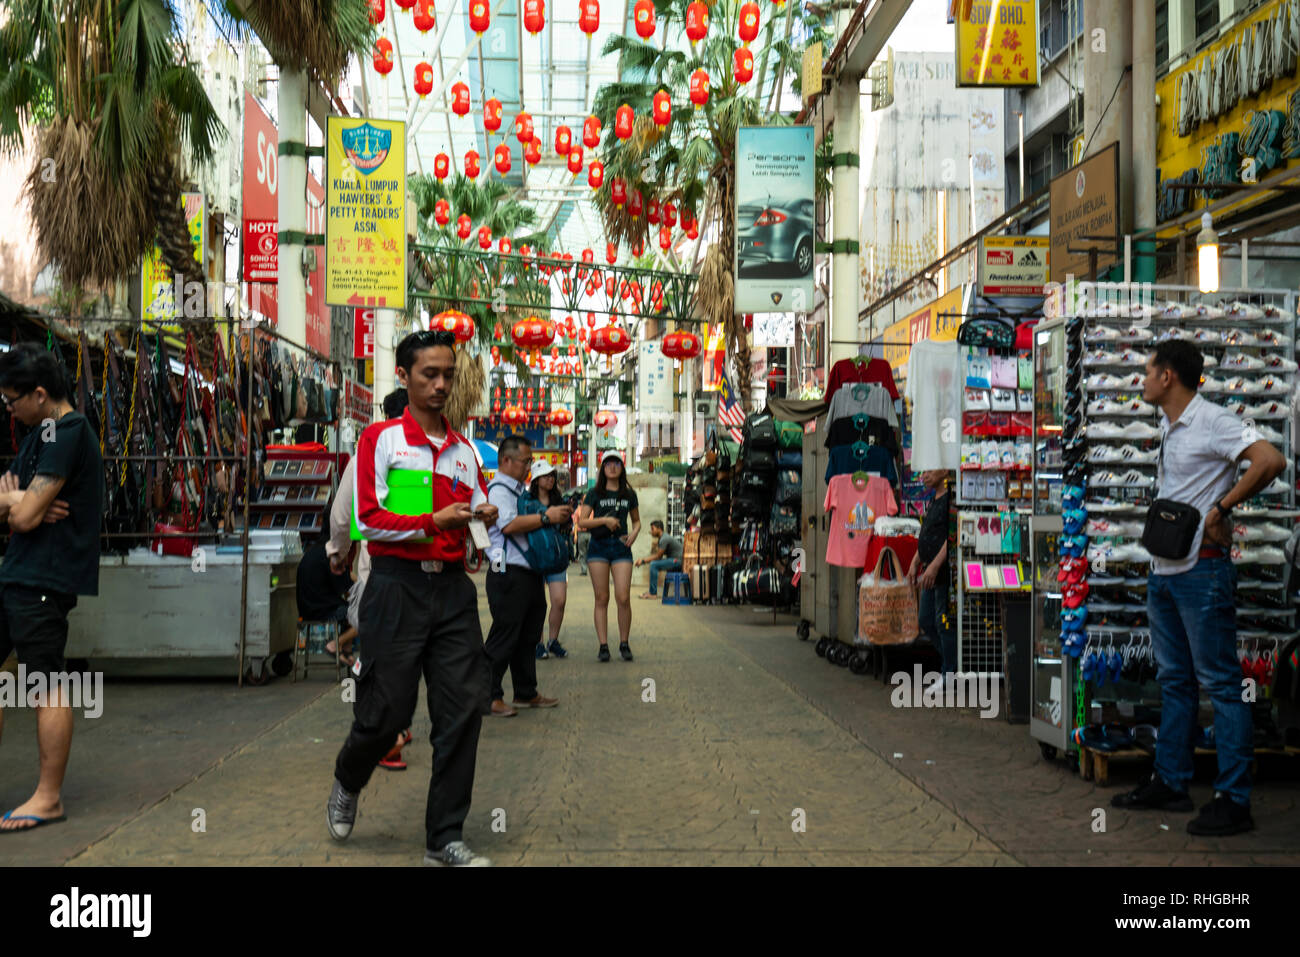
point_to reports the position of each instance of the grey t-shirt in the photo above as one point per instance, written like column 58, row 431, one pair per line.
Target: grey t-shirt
column 672, row 547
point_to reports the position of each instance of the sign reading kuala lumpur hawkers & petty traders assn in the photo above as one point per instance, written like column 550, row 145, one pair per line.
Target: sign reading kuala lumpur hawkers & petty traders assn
column 365, row 231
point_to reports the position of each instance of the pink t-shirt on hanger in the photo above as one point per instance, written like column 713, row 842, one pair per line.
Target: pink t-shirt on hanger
column 854, row 507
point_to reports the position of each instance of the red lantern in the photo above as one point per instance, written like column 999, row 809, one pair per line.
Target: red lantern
column 693, row 231
column 747, row 25
column 442, row 212
column 480, row 16
column 563, row 140
column 697, row 21
column 588, row 257
column 502, row 158
column 496, row 360
column 462, row 226
column 596, row 174
column 454, row 321
column 670, row 214
column 441, row 165
column 532, row 152
column 559, row 418
column 611, row 287
column 492, row 115
column 638, row 248
column 575, row 160
column 534, row 15
column 610, row 340
column 681, row 345
column 383, row 56
column 604, row 419
column 471, row 164
column 665, row 238
column 624, row 119
column 618, row 192
column 644, row 14
column 591, row 132
column 405, row 4
column 376, row 11
column 611, row 253
column 699, row 88
column 459, row 97
column 532, row 333
column 663, row 108
column 514, row 416
column 423, row 79
column 652, row 211
column 484, row 237
column 424, row 18
column 744, row 65
column 503, row 244
column 589, row 16
column 635, row 203
column 524, row 128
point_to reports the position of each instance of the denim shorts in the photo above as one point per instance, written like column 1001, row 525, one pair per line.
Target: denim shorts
column 560, row 576
column 609, row 550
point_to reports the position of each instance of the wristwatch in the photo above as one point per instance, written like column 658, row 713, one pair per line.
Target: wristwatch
column 546, row 519
column 1225, row 512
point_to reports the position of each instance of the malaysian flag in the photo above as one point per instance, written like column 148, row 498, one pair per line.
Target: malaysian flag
column 730, row 414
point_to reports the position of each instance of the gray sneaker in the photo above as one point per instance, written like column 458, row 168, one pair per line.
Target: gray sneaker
column 340, row 811
column 455, row 854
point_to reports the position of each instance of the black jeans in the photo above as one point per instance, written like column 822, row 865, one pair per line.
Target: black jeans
column 415, row 622
column 517, row 598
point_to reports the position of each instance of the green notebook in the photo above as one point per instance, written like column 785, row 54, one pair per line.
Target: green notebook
column 410, row 492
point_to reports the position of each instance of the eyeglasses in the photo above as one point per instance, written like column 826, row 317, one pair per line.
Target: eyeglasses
column 10, row 403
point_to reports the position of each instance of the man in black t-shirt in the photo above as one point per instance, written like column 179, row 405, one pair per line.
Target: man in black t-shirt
column 53, row 500
column 931, row 561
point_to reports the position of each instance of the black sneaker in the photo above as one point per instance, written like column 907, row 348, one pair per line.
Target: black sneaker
column 1221, row 817
column 625, row 651
column 1153, row 795
column 604, row 653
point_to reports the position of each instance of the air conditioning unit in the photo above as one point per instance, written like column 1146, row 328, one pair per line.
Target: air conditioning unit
column 706, row 406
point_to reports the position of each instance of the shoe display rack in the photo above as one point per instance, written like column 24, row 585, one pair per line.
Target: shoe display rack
column 1098, row 473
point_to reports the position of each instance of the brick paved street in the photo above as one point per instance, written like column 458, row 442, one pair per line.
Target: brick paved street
column 748, row 725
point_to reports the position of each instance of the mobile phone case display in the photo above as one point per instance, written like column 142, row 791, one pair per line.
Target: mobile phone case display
column 996, row 426
column 991, row 549
column 1249, row 350
column 296, row 489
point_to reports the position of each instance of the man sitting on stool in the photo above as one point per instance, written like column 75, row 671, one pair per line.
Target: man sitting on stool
column 666, row 556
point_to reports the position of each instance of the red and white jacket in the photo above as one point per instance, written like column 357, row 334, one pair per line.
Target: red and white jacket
column 402, row 444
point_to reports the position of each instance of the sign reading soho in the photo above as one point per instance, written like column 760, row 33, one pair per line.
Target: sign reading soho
column 1231, row 114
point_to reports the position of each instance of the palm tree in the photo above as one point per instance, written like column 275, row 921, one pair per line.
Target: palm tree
column 109, row 94
column 317, row 36
column 690, row 161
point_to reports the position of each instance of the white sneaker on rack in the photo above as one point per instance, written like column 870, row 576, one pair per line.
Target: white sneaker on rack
column 1207, row 311
column 1132, row 357
column 1213, row 384
column 1101, row 334
column 1140, row 430
column 1106, row 479
column 1243, row 310
column 1137, row 333
column 1174, row 310
column 1208, row 337
column 1273, row 313
column 1103, row 453
column 1103, row 382
column 1242, row 362
column 1261, row 532
column 1277, row 364
column 1276, row 487
column 1135, row 479
column 1177, row 332
column 1268, row 385
column 1104, row 430
column 1132, row 455
column 1239, row 338
column 1268, row 410
column 1101, row 357
column 1270, row 337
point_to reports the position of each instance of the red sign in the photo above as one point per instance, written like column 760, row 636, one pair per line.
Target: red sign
column 260, row 249
column 363, row 333
column 358, row 401
column 260, row 208
column 318, row 314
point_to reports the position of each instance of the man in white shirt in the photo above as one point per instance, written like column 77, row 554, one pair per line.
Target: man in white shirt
column 1191, row 601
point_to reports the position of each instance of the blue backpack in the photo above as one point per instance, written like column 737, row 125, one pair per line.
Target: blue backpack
column 549, row 550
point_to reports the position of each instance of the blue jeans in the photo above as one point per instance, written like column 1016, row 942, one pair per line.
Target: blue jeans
column 661, row 564
column 932, row 610
column 1194, row 632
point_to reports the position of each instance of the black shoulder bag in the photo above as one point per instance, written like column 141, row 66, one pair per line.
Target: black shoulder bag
column 1171, row 526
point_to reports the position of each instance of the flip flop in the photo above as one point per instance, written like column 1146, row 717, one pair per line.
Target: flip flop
column 40, row 822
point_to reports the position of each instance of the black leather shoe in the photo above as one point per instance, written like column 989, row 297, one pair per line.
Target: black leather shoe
column 1221, row 817
column 1153, row 795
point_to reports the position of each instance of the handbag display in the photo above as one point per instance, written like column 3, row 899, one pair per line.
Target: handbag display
column 789, row 487
column 784, row 520
column 760, row 460
column 887, row 606
column 760, row 431
column 789, row 435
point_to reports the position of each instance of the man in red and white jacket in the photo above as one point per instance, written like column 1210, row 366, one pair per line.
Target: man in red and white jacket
column 419, row 611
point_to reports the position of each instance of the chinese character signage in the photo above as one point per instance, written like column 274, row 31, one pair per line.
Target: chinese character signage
column 774, row 219
column 365, row 233
column 997, row 42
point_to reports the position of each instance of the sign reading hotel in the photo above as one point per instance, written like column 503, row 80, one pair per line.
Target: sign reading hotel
column 1085, row 214
column 997, row 42
column 365, row 225
column 1013, row 265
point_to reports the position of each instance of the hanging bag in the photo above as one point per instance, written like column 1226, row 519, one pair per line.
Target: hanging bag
column 887, row 605
column 1170, row 526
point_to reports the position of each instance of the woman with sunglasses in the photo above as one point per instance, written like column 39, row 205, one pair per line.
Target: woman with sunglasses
column 606, row 512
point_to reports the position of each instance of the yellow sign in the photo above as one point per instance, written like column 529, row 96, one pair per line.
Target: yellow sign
column 938, row 321
column 365, row 223
column 158, row 294
column 997, row 42
column 812, row 71
column 1231, row 114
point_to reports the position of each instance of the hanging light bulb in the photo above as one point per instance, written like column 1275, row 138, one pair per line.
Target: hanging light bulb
column 1207, row 255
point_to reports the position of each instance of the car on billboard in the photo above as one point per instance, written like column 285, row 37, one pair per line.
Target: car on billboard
column 775, row 238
